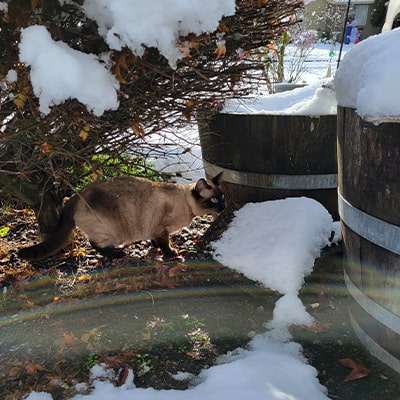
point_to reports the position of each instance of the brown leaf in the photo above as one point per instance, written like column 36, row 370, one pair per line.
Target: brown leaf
column 184, row 48
column 146, row 335
column 138, row 129
column 187, row 112
column 32, row 368
column 69, row 338
column 359, row 370
column 121, row 65
column 318, row 327
column 14, row 373
column 220, row 51
column 84, row 132
column 123, row 375
column 47, row 148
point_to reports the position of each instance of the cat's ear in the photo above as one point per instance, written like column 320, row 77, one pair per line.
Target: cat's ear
column 217, row 179
column 201, row 187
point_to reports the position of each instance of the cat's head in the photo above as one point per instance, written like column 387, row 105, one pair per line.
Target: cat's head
column 209, row 196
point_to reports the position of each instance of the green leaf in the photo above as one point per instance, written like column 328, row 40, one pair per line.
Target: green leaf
column 4, row 230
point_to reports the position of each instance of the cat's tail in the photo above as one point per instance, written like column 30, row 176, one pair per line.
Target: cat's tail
column 55, row 241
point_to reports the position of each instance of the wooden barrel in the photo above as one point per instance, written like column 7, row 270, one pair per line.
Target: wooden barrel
column 269, row 157
column 369, row 207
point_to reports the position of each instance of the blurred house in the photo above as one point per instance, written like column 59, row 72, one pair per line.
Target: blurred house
column 328, row 17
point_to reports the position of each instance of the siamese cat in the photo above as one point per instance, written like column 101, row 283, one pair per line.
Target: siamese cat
column 124, row 210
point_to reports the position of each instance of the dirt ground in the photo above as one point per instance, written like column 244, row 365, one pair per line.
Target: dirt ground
column 185, row 315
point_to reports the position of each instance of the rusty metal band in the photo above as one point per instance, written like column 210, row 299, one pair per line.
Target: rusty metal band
column 381, row 233
column 257, row 180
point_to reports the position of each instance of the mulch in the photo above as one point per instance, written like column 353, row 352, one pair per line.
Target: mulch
column 18, row 228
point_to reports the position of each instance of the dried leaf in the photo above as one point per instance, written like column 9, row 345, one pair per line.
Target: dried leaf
column 121, row 65
column 47, row 148
column 359, row 370
column 318, row 327
column 29, row 304
column 220, row 51
column 14, row 373
column 92, row 335
column 84, row 277
column 84, row 133
column 187, row 112
column 81, row 252
column 146, row 335
column 31, row 368
column 123, row 375
column 20, row 100
column 69, row 338
column 184, row 48
column 137, row 129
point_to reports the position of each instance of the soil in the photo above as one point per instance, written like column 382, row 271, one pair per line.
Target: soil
column 169, row 317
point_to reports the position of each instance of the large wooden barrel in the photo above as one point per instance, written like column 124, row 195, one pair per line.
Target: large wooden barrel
column 269, row 157
column 369, row 207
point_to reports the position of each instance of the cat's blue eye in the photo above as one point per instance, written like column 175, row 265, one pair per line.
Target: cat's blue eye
column 214, row 200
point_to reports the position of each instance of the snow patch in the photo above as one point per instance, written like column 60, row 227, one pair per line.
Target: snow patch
column 368, row 78
column 59, row 73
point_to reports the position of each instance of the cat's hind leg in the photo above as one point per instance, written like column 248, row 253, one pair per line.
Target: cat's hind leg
column 109, row 251
column 169, row 254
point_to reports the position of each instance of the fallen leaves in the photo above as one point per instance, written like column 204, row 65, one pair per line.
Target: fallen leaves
column 359, row 370
column 318, row 327
column 21, row 368
column 32, row 367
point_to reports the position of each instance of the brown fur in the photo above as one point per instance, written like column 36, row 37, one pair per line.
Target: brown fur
column 127, row 209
